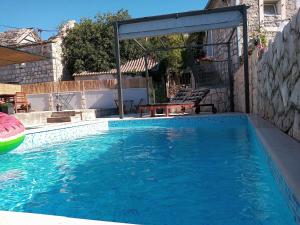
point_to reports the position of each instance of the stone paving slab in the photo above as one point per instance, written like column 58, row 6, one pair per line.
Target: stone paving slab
column 18, row 218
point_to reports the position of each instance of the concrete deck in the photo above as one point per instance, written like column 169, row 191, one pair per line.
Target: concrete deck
column 17, row 218
column 32, row 119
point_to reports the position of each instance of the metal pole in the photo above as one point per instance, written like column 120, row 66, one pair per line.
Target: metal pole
column 246, row 63
column 231, row 88
column 232, row 33
column 186, row 47
column 140, row 45
column 147, row 77
column 118, row 65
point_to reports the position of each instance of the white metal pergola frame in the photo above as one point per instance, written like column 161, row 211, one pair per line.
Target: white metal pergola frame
column 185, row 22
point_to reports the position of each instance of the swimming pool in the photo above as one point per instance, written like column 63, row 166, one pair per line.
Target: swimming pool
column 196, row 170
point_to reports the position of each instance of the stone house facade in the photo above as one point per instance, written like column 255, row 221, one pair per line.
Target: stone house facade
column 274, row 81
column 51, row 69
column 265, row 19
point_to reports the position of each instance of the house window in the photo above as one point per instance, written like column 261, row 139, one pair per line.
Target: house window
column 270, row 9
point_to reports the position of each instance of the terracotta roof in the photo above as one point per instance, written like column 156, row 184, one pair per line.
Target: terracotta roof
column 132, row 66
column 87, row 73
column 14, row 37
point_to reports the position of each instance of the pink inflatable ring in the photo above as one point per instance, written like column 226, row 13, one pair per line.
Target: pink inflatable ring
column 11, row 133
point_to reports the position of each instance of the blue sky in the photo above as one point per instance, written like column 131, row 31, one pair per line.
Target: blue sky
column 48, row 14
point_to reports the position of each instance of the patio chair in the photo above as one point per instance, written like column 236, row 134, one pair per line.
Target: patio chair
column 196, row 96
column 21, row 103
column 185, row 99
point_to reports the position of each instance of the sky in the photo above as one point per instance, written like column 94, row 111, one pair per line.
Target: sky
column 48, row 14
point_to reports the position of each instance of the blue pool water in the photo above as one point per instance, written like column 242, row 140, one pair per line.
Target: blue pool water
column 196, row 171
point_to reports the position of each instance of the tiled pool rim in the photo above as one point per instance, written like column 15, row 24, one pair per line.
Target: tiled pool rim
column 282, row 152
column 283, row 157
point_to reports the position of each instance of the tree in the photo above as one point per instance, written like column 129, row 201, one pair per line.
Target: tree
column 89, row 46
column 190, row 55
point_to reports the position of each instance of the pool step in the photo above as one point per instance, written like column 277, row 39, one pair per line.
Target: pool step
column 63, row 113
column 64, row 116
column 62, row 119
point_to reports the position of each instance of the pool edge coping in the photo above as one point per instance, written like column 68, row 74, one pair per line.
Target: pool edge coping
column 283, row 150
column 17, row 218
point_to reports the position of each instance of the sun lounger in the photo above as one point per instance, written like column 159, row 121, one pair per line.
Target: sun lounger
column 197, row 96
column 183, row 100
column 165, row 106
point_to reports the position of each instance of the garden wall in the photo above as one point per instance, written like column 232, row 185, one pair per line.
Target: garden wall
column 275, row 81
column 85, row 94
column 278, row 70
column 96, row 99
column 239, row 87
column 50, row 69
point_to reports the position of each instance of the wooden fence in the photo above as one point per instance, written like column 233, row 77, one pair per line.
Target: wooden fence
column 9, row 88
column 82, row 85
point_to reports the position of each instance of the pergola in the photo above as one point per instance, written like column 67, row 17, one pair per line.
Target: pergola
column 9, row 56
column 185, row 22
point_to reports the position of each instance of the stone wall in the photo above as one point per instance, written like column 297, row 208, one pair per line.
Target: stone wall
column 223, row 35
column 257, row 23
column 239, row 91
column 239, row 84
column 278, row 70
column 269, row 24
column 59, row 71
column 275, row 81
column 47, row 70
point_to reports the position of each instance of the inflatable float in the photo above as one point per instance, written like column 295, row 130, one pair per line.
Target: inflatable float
column 11, row 133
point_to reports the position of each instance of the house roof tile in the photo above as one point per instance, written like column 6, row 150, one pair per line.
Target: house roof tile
column 132, row 66
column 14, row 37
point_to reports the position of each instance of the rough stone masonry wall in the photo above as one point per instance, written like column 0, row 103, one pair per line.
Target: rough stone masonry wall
column 275, row 81
column 278, row 98
column 239, row 84
column 36, row 72
column 256, row 21
column 223, row 35
column 59, row 71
